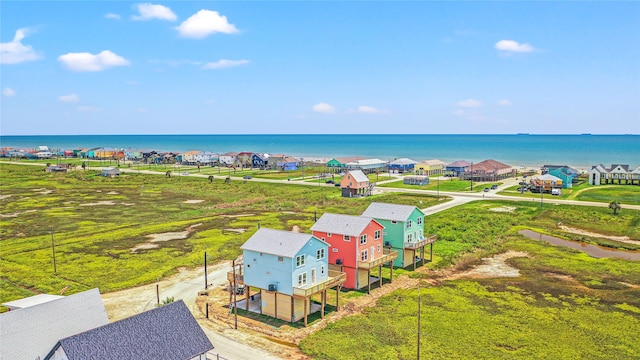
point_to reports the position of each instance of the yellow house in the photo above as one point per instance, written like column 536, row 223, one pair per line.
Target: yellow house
column 430, row 167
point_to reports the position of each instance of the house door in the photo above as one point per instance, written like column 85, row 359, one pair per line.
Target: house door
column 313, row 276
column 373, row 252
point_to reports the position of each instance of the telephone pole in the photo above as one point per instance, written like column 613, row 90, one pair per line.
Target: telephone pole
column 53, row 247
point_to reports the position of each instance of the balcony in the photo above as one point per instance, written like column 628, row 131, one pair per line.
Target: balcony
column 387, row 256
column 430, row 239
column 335, row 278
column 239, row 278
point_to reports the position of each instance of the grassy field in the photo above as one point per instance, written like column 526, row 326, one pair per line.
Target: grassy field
column 97, row 223
column 452, row 184
column 564, row 305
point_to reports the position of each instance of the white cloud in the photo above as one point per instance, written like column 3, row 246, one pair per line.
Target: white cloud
column 470, row 103
column 471, row 115
column 15, row 52
column 88, row 62
column 204, row 23
column 112, row 16
column 504, row 102
column 514, row 46
column 368, row 110
column 8, row 92
column 85, row 108
column 150, row 11
column 223, row 63
column 324, row 108
column 71, row 98
column 142, row 110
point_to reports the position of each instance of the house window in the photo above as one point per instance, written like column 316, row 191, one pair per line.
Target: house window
column 378, row 247
column 420, row 220
column 320, row 254
column 302, row 279
column 328, row 234
column 363, row 239
column 322, row 270
column 409, row 237
column 347, row 238
column 364, row 255
column 409, row 224
column 394, row 222
column 334, row 249
column 299, row 260
column 377, row 234
column 280, row 259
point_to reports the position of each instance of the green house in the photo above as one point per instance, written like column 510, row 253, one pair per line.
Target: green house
column 341, row 163
column 565, row 175
column 403, row 231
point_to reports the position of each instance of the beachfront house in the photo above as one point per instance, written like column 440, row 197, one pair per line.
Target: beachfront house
column 566, row 174
column 367, row 166
column 456, row 168
column 339, row 164
column 545, row 183
column 355, row 247
column 287, row 268
column 37, row 323
column 244, row 158
column 288, row 163
column 429, row 167
column 228, row 158
column 416, row 180
column 168, row 332
column 488, row 170
column 259, row 160
column 355, row 183
column 402, row 165
column 403, row 231
column 619, row 174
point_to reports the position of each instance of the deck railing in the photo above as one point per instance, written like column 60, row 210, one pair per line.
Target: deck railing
column 430, row 239
column 335, row 278
column 239, row 278
column 387, row 256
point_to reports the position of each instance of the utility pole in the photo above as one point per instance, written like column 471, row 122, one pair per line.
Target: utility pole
column 235, row 290
column 53, row 247
column 419, row 331
column 206, row 285
column 158, row 290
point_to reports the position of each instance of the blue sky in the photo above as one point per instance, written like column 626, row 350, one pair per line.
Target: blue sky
column 320, row 67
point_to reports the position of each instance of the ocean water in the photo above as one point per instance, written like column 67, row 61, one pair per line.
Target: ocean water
column 516, row 150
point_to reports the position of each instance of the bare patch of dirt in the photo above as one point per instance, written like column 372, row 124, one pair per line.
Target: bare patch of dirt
column 104, row 202
column 43, row 191
column 239, row 231
column 113, row 193
column 238, row 215
column 295, row 229
column 624, row 239
column 15, row 214
column 503, row 209
column 154, row 238
column 492, row 267
column 2, row 197
column 193, row 201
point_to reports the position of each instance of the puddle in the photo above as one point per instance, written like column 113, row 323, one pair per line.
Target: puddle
column 592, row 250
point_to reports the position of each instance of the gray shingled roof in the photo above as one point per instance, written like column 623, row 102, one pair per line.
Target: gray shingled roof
column 277, row 242
column 31, row 332
column 358, row 175
column 389, row 211
column 342, row 224
column 169, row 332
column 403, row 161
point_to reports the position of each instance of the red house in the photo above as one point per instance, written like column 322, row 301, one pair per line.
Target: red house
column 355, row 247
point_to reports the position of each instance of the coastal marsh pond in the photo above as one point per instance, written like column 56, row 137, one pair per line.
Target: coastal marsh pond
column 592, row 250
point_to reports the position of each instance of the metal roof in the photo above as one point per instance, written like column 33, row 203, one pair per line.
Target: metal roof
column 169, row 332
column 403, row 161
column 277, row 242
column 31, row 301
column 392, row 212
column 31, row 332
column 358, row 175
column 342, row 224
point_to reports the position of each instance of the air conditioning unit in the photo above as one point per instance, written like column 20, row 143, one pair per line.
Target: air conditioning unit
column 338, row 261
column 386, row 243
column 273, row 287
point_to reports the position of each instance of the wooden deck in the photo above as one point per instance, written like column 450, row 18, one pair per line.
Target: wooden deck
column 388, row 255
column 335, row 278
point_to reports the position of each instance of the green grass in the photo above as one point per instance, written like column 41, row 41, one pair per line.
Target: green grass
column 626, row 194
column 452, row 184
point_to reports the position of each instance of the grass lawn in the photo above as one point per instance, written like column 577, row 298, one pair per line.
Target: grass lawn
column 97, row 222
column 452, row 184
column 625, row 194
column 564, row 304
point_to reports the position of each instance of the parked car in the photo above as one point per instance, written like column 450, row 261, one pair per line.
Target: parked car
column 522, row 189
column 494, row 186
column 330, row 182
column 337, row 184
column 247, row 177
column 486, row 189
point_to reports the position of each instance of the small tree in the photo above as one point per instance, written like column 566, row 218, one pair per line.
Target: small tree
column 615, row 206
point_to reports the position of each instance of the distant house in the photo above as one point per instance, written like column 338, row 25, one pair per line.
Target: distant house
column 355, row 183
column 244, row 158
column 259, row 161
column 37, row 323
column 228, row 158
column 429, row 167
column 416, row 180
column 402, row 165
column 55, row 168
column 341, row 163
column 287, row 163
column 110, row 172
column 403, row 231
column 367, row 165
column 546, row 183
column 456, row 168
column 619, row 174
column 488, row 170
column 288, row 268
column 565, row 174
column 355, row 247
column 169, row 332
